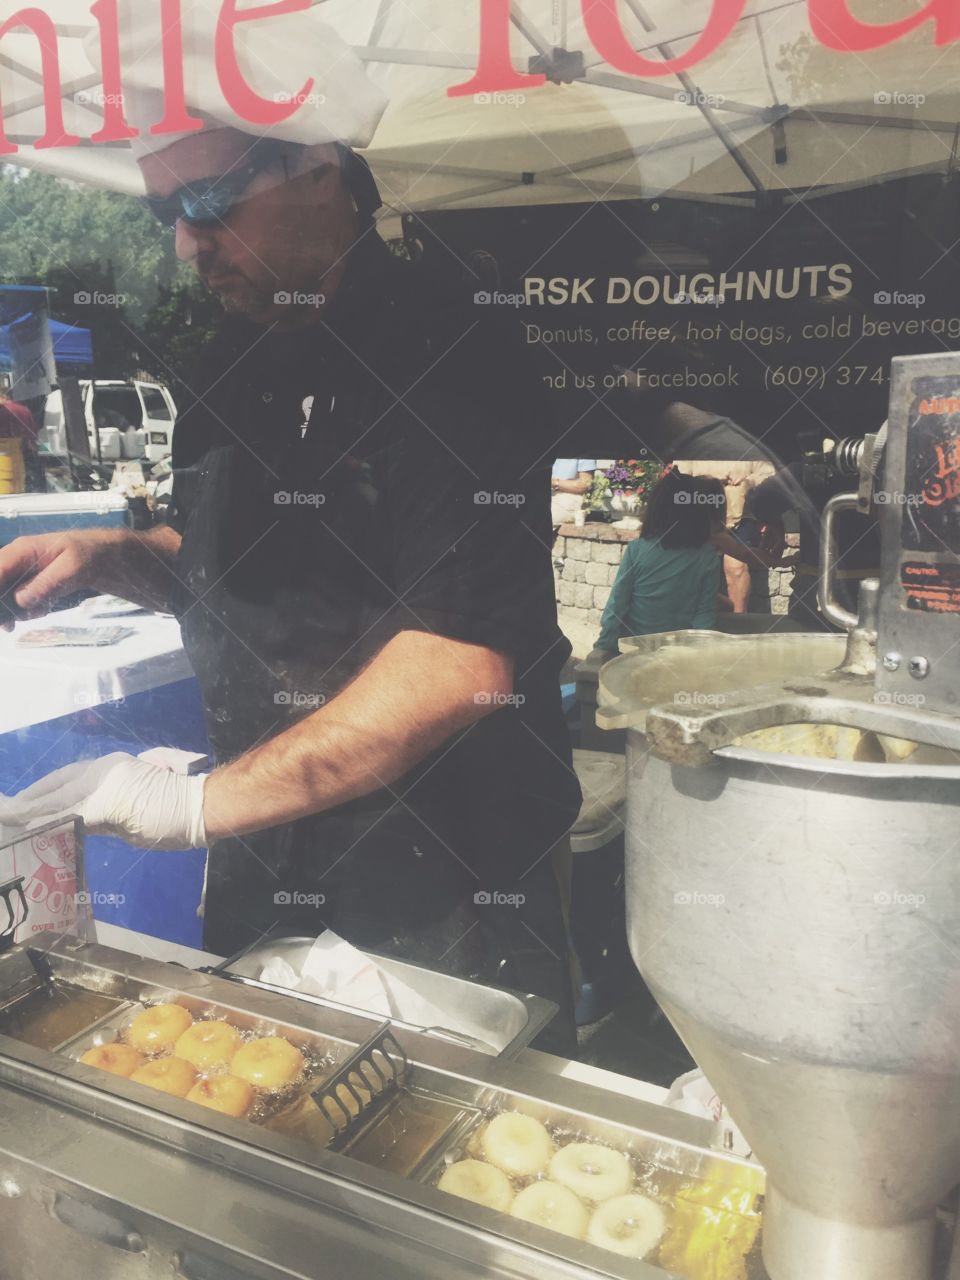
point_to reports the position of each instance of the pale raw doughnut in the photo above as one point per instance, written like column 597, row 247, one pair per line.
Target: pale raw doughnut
column 228, row 1094
column 208, row 1045
column 592, row 1171
column 118, row 1059
column 169, row 1075
column 270, row 1063
column 519, row 1145
column 628, row 1225
column 158, row 1029
column 550, row 1205
column 479, row 1182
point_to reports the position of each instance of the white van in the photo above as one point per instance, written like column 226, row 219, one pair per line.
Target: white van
column 134, row 419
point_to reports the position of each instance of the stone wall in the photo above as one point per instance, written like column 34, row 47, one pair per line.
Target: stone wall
column 586, row 562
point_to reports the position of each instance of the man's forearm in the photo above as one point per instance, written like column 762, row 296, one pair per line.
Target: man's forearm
column 142, row 568
column 417, row 693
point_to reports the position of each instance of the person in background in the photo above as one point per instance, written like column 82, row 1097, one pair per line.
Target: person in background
column 737, row 479
column 17, row 423
column 670, row 576
column 572, row 479
column 755, row 544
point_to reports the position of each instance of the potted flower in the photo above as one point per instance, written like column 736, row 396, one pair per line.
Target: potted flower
column 630, row 481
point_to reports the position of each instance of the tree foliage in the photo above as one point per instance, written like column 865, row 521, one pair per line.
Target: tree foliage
column 83, row 242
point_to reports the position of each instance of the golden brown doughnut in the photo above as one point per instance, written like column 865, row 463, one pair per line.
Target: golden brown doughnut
column 269, row 1064
column 157, row 1029
column 119, row 1059
column 208, row 1045
column 169, row 1075
column 227, row 1094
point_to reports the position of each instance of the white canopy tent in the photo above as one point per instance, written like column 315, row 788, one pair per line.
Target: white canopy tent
column 771, row 111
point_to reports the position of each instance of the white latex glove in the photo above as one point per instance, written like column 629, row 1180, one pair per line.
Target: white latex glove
column 117, row 795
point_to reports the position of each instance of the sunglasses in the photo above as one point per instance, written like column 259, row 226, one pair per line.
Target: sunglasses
column 210, row 201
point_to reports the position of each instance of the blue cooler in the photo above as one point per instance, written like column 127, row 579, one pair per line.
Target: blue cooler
column 154, row 893
column 22, row 514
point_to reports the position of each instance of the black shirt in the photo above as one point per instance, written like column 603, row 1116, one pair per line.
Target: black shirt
column 417, row 499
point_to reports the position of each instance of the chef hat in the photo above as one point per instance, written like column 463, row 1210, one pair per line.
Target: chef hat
column 277, row 54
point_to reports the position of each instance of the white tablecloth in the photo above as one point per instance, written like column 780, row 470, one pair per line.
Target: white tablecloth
column 44, row 684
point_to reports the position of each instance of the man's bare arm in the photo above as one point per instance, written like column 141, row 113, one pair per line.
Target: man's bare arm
column 137, row 566
column 413, row 697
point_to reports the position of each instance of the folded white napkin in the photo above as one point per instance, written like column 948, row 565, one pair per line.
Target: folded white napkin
column 339, row 972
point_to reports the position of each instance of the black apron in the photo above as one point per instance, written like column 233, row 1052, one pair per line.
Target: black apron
column 286, row 563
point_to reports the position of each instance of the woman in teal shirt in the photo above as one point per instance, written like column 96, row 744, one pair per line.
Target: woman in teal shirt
column 670, row 577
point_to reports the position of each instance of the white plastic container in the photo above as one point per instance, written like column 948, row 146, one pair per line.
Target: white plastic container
column 133, row 443
column 111, row 446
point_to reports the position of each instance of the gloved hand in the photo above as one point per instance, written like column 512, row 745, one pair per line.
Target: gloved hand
column 117, row 795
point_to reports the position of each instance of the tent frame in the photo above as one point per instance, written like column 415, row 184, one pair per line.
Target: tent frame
column 550, row 56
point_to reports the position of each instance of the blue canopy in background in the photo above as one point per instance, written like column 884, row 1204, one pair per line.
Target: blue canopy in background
column 72, row 347
column 19, row 304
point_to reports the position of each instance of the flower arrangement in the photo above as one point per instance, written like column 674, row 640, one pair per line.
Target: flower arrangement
column 633, row 477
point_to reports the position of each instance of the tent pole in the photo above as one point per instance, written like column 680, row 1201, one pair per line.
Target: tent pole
column 699, row 100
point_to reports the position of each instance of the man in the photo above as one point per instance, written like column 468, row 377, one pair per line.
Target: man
column 570, row 481
column 367, row 598
column 17, row 423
